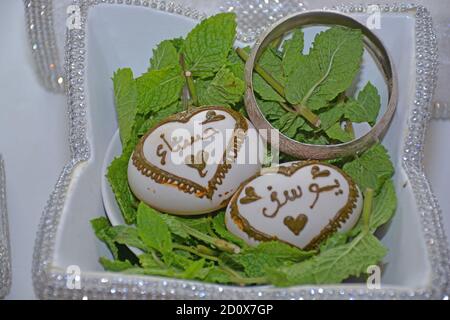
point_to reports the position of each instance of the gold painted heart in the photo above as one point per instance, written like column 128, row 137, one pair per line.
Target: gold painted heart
column 192, row 151
column 300, row 203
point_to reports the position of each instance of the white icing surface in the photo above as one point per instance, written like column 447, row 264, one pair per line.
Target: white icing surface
column 263, row 215
column 211, row 139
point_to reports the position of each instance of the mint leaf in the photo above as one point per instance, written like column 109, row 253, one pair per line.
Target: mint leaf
column 207, row 46
column 383, row 209
column 162, row 114
column 327, row 70
column 153, row 230
column 333, row 265
column 165, row 55
column 217, row 275
column 115, row 265
column 218, row 224
column 177, row 43
column 335, row 132
column 271, row 109
column 225, row 89
column 331, row 116
column 336, row 239
column 118, row 179
column 175, row 225
column 125, row 99
column 271, row 62
column 366, row 107
column 126, row 235
column 292, row 51
column 257, row 260
column 371, row 169
column 158, row 89
column 148, row 261
column 281, row 250
column 100, row 227
column 193, row 271
column 289, row 124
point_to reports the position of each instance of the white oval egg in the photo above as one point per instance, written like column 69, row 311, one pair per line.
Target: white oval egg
column 300, row 203
column 193, row 162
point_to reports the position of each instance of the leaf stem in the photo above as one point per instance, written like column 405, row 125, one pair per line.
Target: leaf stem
column 218, row 243
column 367, row 209
column 236, row 277
column 277, row 42
column 194, row 251
column 156, row 258
column 189, row 81
column 278, row 87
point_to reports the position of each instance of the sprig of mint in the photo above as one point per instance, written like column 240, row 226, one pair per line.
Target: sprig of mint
column 313, row 85
column 201, row 248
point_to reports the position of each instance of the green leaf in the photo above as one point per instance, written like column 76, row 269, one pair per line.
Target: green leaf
column 334, row 265
column 126, row 235
column 289, row 124
column 336, row 239
column 257, row 260
column 217, row 275
column 383, row 209
column 194, row 269
column 331, row 116
column 273, row 65
column 218, row 224
column 335, row 132
column 175, row 225
column 282, row 250
column 224, row 90
column 125, row 99
column 153, row 230
column 271, row 109
column 366, row 107
column 148, row 261
column 100, row 226
column 235, row 63
column 292, row 52
column 165, row 55
column 162, row 114
column 158, row 89
column 115, row 265
column 177, row 43
column 371, row 169
column 207, row 46
column 327, row 70
column 118, row 179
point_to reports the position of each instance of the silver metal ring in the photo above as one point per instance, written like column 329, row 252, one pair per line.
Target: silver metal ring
column 309, row 151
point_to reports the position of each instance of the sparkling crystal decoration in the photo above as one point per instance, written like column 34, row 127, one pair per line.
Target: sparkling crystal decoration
column 5, row 257
column 50, row 282
column 41, row 34
column 254, row 16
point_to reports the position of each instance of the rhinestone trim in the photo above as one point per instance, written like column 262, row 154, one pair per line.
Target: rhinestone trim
column 50, row 282
column 5, row 255
column 41, row 34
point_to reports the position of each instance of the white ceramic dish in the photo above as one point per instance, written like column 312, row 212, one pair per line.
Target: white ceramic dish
column 112, row 37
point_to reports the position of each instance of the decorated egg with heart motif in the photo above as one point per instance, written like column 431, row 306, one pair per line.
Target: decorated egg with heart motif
column 193, row 162
column 301, row 203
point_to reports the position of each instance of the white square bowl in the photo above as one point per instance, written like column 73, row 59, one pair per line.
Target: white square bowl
column 117, row 35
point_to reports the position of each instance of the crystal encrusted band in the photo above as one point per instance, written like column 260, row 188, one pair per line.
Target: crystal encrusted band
column 50, row 282
column 41, row 34
column 5, row 256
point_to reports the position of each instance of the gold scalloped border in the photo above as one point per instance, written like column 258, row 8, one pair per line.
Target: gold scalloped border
column 229, row 156
column 335, row 223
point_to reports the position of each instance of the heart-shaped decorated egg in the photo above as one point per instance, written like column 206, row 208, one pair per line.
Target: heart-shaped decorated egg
column 193, row 162
column 301, row 203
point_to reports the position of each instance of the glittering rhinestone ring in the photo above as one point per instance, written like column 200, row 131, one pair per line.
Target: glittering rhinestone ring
column 371, row 43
